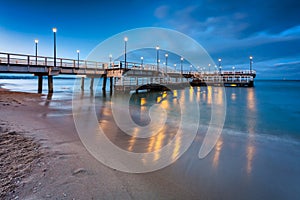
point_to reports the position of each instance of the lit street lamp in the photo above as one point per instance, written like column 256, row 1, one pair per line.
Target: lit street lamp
column 54, row 32
column 220, row 67
column 251, row 61
column 181, row 61
column 110, row 58
column 125, row 54
column 166, row 62
column 78, row 58
column 233, row 68
column 36, row 41
column 157, row 57
column 142, row 62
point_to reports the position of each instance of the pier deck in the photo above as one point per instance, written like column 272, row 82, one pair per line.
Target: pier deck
column 132, row 76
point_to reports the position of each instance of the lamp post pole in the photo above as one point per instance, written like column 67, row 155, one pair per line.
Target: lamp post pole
column 125, row 49
column 220, row 67
column 251, row 60
column 166, row 55
column 36, row 41
column 78, row 58
column 233, row 69
column 142, row 62
column 110, row 58
column 54, row 32
column 181, row 62
column 157, row 58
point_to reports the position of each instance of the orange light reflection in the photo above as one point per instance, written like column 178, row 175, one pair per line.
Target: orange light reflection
column 218, row 148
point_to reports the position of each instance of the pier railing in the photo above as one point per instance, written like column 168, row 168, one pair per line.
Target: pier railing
column 214, row 73
column 31, row 60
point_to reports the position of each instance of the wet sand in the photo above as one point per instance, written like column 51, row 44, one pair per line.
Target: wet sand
column 239, row 167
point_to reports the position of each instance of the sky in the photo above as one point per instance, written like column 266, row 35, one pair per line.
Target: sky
column 232, row 29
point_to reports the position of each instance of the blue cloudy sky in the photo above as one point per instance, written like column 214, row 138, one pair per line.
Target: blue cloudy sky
column 228, row 29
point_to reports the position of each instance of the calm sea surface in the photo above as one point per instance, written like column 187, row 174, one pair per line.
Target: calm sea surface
column 271, row 109
column 256, row 156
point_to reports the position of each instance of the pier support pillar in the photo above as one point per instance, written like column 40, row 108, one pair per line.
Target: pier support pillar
column 40, row 84
column 50, row 84
column 82, row 83
column 111, row 83
column 92, row 84
column 104, row 82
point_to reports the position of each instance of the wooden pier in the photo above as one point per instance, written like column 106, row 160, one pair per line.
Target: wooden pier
column 132, row 76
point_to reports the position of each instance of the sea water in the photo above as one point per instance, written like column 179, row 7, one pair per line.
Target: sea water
column 270, row 109
column 255, row 157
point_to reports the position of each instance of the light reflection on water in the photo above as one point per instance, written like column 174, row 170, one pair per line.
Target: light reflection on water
column 269, row 109
column 218, row 149
column 241, row 118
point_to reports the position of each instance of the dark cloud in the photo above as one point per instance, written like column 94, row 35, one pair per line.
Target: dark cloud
column 238, row 18
column 234, row 30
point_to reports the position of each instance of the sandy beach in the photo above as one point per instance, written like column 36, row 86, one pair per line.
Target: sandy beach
column 54, row 163
column 62, row 168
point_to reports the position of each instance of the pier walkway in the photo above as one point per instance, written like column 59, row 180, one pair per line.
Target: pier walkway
column 132, row 76
column 144, row 76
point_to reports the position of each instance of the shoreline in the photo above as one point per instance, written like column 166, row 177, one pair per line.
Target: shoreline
column 238, row 167
column 20, row 153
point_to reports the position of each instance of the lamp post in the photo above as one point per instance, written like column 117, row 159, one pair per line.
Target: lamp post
column 142, row 62
column 157, row 57
column 78, row 57
column 54, row 32
column 220, row 67
column 36, row 41
column 251, row 61
column 181, row 62
column 125, row 51
column 110, row 58
column 166, row 55
column 175, row 67
column 233, row 68
column 209, row 68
